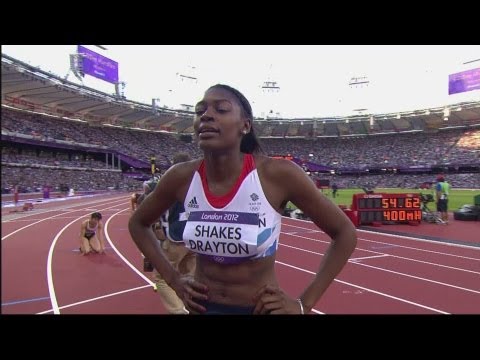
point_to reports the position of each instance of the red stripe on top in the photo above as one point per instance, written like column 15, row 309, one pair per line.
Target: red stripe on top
column 223, row 200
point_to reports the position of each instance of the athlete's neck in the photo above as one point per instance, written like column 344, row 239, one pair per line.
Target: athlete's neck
column 223, row 168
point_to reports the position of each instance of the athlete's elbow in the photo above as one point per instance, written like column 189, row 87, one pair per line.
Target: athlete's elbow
column 350, row 239
column 133, row 228
column 347, row 237
column 352, row 243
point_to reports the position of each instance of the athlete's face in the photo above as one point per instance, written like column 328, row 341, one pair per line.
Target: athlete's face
column 219, row 123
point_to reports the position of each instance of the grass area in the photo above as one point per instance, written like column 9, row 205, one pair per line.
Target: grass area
column 456, row 199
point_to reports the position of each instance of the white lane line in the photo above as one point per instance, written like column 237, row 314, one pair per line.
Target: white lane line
column 398, row 247
column 301, row 249
column 37, row 222
column 419, row 278
column 368, row 257
column 437, row 242
column 118, row 252
column 419, row 249
column 41, row 211
column 386, row 234
column 96, row 298
column 57, row 218
column 63, row 213
column 367, row 289
column 51, row 287
column 391, row 271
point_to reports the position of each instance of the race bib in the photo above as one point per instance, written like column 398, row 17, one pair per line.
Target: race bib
column 222, row 234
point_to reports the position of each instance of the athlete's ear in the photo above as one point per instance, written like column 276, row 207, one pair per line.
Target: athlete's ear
column 247, row 125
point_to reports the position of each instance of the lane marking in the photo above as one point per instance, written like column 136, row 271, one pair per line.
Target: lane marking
column 51, row 288
column 471, row 247
column 367, row 289
column 25, row 301
column 396, row 272
column 397, row 256
column 48, row 218
column 151, row 283
column 368, row 257
column 96, row 298
column 420, row 278
column 41, row 211
column 383, row 247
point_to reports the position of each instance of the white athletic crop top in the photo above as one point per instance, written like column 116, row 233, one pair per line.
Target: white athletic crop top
column 90, row 231
column 242, row 225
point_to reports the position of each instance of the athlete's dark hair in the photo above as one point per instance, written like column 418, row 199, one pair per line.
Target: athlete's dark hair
column 96, row 215
column 250, row 143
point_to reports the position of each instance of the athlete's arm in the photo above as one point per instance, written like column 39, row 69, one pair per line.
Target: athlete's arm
column 171, row 187
column 286, row 181
column 83, row 228
column 100, row 236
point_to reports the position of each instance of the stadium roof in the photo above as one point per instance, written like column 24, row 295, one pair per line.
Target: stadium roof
column 28, row 87
column 31, row 88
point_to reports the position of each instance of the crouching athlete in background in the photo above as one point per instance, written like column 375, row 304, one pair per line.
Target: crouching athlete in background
column 91, row 235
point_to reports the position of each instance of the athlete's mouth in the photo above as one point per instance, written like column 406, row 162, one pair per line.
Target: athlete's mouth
column 204, row 130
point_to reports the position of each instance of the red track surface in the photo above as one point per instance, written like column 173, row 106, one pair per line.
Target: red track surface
column 42, row 271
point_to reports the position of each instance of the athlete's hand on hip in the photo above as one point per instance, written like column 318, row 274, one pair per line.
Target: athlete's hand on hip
column 189, row 290
column 270, row 299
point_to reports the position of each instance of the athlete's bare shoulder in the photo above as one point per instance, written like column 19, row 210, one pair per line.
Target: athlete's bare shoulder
column 177, row 179
column 183, row 171
column 269, row 167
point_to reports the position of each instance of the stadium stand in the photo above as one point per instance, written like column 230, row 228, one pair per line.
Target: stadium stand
column 86, row 139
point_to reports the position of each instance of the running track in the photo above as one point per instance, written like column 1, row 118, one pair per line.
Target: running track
column 43, row 273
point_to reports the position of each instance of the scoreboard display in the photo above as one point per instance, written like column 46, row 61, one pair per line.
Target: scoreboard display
column 387, row 208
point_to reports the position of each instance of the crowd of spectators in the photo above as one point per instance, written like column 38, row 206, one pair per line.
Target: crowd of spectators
column 36, row 166
column 457, row 181
column 135, row 143
column 399, row 150
column 34, row 179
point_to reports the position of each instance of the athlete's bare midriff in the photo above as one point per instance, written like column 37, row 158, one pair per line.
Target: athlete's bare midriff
column 235, row 284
